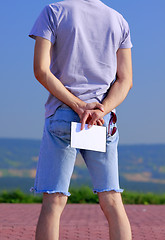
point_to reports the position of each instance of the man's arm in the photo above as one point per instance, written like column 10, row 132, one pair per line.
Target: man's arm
column 42, row 60
column 123, row 83
column 118, row 91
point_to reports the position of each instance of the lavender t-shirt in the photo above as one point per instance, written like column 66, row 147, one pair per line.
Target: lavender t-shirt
column 86, row 35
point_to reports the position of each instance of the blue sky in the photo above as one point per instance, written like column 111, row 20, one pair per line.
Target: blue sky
column 141, row 117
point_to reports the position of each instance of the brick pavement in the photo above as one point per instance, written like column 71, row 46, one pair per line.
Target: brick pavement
column 81, row 222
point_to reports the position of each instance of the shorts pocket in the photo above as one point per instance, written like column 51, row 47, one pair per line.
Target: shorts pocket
column 112, row 138
column 109, row 137
column 60, row 128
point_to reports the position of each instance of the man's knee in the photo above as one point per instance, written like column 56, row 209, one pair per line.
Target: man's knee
column 110, row 201
column 54, row 203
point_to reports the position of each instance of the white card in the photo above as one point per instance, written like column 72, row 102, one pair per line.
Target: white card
column 93, row 138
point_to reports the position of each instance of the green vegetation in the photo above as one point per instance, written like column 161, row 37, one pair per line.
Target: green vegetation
column 17, row 196
column 143, row 198
column 83, row 195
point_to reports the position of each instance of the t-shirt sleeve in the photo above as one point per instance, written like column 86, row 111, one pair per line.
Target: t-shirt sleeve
column 45, row 25
column 126, row 37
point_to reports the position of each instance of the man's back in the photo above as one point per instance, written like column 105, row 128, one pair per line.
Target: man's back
column 86, row 35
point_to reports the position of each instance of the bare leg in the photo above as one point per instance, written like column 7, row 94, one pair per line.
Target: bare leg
column 49, row 219
column 113, row 208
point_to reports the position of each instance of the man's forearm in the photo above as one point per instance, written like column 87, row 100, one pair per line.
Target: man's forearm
column 116, row 95
column 119, row 90
column 57, row 89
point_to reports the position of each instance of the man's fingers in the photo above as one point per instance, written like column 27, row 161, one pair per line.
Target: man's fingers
column 92, row 117
column 99, row 122
column 95, row 105
column 84, row 119
column 100, row 106
column 92, row 121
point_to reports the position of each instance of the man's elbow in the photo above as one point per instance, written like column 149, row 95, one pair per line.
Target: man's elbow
column 40, row 73
column 131, row 84
column 130, row 81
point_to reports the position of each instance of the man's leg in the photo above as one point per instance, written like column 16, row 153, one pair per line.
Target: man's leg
column 54, row 171
column 113, row 208
column 49, row 219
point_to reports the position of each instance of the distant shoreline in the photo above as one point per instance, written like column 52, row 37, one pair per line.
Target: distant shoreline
column 141, row 166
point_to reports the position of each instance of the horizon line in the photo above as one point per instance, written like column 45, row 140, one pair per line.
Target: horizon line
column 39, row 139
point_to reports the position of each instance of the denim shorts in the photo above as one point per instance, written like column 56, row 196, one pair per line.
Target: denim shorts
column 57, row 158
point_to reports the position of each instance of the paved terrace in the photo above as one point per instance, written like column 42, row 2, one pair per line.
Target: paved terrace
column 81, row 222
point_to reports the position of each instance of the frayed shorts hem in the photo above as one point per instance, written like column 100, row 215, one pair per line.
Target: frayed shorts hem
column 49, row 191
column 108, row 190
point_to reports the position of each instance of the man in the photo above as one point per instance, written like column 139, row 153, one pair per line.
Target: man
column 81, row 47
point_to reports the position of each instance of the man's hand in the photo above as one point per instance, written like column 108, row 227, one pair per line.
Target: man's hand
column 92, row 114
column 92, row 117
